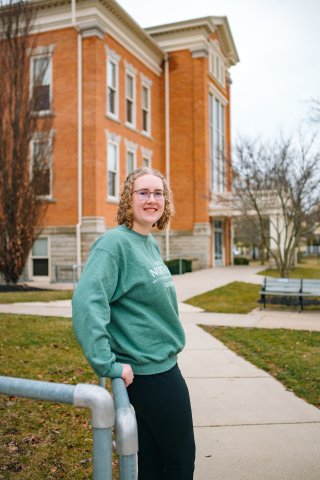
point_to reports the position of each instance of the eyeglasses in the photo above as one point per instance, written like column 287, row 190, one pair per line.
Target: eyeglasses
column 144, row 195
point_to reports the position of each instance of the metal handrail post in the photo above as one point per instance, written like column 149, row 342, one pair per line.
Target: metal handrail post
column 126, row 430
column 97, row 399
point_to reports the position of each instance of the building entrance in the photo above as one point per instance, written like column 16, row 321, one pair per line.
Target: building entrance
column 218, row 227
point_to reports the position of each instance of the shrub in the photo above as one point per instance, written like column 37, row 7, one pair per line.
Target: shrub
column 173, row 266
column 241, row 261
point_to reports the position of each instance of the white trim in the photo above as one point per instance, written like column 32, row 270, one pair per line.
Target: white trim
column 114, row 59
column 147, row 154
column 133, row 100
column 217, row 164
column 113, row 139
column 130, row 68
column 146, row 132
column 87, row 13
column 217, row 64
column 37, row 54
column 217, row 94
column 145, row 80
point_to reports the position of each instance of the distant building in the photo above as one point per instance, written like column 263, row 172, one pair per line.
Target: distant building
column 123, row 97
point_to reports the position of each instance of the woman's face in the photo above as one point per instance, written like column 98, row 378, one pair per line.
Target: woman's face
column 147, row 209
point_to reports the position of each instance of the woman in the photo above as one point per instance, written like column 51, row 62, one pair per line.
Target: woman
column 125, row 317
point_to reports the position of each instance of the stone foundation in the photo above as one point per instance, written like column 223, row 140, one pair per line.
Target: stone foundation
column 193, row 244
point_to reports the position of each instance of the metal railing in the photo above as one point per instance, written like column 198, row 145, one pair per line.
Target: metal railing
column 126, row 431
column 105, row 412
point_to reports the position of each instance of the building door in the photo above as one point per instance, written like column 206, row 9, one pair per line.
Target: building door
column 218, row 227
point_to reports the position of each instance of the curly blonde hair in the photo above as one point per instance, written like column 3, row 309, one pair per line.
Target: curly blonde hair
column 125, row 210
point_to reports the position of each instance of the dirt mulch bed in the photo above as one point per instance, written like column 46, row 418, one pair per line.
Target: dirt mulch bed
column 20, row 287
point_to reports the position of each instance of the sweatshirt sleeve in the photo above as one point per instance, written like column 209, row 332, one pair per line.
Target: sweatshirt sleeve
column 91, row 312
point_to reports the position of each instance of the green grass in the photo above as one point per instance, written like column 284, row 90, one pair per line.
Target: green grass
column 236, row 297
column 298, row 272
column 309, row 268
column 35, row 296
column 290, row 356
column 43, row 440
column 241, row 297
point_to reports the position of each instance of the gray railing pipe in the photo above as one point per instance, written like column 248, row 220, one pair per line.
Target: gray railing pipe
column 97, row 399
column 126, row 430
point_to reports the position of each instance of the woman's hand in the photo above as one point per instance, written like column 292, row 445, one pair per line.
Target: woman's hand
column 127, row 374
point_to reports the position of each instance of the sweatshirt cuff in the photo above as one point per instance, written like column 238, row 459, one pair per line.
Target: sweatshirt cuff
column 115, row 371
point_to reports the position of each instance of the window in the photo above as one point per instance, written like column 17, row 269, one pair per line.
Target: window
column 113, row 170
column 41, row 165
column 40, row 258
column 131, row 161
column 217, row 145
column 130, row 99
column 216, row 65
column 41, row 83
column 112, row 88
column 146, row 124
column 146, row 157
column 146, row 162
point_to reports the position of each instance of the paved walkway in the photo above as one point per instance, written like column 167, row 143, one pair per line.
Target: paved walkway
column 247, row 425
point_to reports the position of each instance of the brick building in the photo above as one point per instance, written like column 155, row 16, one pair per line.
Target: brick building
column 123, row 97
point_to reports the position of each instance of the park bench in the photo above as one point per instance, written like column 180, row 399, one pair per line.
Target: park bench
column 290, row 287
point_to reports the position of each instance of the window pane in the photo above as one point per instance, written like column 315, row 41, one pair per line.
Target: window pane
column 112, row 157
column 111, row 73
column 41, row 71
column 41, row 97
column 40, row 267
column 146, row 162
column 111, row 101
column 129, row 86
column 130, row 162
column 145, row 120
column 40, row 248
column 129, row 111
column 145, row 98
column 111, row 184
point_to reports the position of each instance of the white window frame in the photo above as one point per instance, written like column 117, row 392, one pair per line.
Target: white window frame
column 131, row 149
column 217, row 132
column 113, row 58
column 41, row 137
column 147, row 84
column 217, row 66
column 130, row 72
column 41, row 278
column 113, row 139
column 146, row 155
column 37, row 54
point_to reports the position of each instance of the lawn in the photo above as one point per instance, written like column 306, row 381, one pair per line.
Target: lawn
column 236, row 297
column 309, row 268
column 241, row 297
column 43, row 440
column 35, row 296
column 291, row 356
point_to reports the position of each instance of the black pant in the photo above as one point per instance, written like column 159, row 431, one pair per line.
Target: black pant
column 165, row 431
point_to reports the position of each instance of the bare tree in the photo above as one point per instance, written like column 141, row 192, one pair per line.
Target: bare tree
column 23, row 177
column 279, row 182
column 247, row 233
column 315, row 110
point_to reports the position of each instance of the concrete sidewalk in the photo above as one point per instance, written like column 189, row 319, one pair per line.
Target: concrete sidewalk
column 247, row 425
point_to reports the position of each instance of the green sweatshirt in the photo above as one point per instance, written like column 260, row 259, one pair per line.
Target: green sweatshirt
column 125, row 307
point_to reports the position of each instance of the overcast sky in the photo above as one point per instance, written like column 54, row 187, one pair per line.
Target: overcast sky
column 278, row 42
